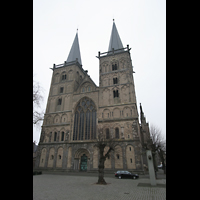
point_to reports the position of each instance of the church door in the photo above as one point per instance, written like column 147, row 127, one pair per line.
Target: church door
column 83, row 162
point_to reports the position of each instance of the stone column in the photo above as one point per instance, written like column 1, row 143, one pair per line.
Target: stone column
column 112, row 132
column 50, row 135
column 58, row 136
column 55, row 158
column 122, row 132
column 37, row 161
column 65, row 154
column 91, row 160
column 88, row 164
column 112, row 160
column 124, row 157
column 76, row 164
column 47, row 157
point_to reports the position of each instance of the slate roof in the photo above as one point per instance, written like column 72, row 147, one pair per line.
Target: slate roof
column 75, row 51
column 115, row 41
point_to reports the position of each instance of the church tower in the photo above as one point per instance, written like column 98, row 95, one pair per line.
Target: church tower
column 117, row 97
column 117, row 100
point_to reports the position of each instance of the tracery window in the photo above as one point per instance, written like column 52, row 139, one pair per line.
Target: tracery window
column 85, row 120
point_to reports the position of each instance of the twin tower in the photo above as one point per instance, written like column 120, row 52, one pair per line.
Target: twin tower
column 77, row 107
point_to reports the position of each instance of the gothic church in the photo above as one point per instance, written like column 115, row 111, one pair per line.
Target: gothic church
column 77, row 107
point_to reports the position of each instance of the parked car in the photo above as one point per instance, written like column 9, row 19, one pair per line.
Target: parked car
column 125, row 174
column 160, row 166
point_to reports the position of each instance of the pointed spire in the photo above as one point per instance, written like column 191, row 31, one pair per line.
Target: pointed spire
column 75, row 51
column 115, row 41
column 142, row 117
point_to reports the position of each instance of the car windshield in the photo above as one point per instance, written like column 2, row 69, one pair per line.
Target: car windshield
column 123, row 172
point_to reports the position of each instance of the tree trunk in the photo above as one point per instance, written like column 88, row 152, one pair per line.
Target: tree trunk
column 101, row 173
column 101, row 167
column 154, row 161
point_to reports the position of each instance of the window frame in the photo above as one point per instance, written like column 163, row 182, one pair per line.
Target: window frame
column 85, row 120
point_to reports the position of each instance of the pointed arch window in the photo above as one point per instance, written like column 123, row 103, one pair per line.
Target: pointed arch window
column 85, row 120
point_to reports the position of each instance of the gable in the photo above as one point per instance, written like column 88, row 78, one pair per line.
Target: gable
column 83, row 82
column 86, row 86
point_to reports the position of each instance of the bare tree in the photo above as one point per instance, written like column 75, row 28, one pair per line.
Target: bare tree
column 155, row 142
column 162, row 155
column 101, row 143
column 37, row 99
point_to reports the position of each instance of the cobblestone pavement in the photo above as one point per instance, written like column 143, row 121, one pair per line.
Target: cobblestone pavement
column 58, row 187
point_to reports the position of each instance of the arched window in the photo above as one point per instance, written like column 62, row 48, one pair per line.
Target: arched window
column 115, row 80
column 55, row 136
column 117, row 133
column 115, row 93
column 114, row 67
column 59, row 101
column 107, row 134
column 85, row 120
column 64, row 77
column 62, row 136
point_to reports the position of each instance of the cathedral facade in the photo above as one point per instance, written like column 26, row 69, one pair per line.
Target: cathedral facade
column 77, row 107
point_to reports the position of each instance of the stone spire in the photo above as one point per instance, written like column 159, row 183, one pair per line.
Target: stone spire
column 75, row 51
column 142, row 117
column 115, row 41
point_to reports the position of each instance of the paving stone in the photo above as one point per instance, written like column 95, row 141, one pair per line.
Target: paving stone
column 58, row 187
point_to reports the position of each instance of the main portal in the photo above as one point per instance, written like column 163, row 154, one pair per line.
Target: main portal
column 83, row 162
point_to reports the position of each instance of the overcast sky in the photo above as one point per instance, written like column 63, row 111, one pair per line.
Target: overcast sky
column 140, row 23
